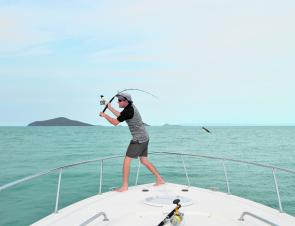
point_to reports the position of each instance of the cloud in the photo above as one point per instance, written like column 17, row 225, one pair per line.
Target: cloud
column 190, row 28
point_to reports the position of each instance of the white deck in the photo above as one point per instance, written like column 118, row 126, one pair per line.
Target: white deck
column 209, row 208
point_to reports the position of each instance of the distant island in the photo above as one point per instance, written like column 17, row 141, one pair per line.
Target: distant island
column 61, row 121
column 169, row 125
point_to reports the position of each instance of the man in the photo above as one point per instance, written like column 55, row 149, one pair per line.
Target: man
column 138, row 146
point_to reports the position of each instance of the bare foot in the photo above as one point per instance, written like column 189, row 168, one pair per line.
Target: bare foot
column 121, row 189
column 159, row 182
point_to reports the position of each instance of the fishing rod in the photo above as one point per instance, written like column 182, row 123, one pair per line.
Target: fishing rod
column 175, row 217
column 102, row 101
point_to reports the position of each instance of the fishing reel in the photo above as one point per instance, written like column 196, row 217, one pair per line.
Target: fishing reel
column 177, row 217
column 102, row 100
column 174, row 218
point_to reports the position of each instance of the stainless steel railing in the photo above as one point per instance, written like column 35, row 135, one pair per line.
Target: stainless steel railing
column 105, row 218
column 273, row 168
column 181, row 155
column 257, row 217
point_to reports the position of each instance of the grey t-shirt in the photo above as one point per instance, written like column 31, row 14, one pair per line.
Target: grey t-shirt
column 133, row 119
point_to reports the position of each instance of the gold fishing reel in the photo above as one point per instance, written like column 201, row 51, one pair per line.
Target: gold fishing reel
column 174, row 218
column 177, row 216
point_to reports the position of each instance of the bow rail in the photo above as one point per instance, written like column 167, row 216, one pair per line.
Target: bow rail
column 101, row 160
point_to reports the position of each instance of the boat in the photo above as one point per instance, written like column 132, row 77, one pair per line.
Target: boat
column 169, row 204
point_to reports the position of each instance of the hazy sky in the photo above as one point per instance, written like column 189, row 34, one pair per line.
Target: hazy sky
column 210, row 62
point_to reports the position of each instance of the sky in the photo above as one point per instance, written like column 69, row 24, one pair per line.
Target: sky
column 209, row 62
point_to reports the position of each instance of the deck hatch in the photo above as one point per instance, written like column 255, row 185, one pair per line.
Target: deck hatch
column 167, row 200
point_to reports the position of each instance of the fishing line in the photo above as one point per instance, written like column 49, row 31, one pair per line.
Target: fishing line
column 110, row 101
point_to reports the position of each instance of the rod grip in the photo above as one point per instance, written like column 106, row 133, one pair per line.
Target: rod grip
column 105, row 108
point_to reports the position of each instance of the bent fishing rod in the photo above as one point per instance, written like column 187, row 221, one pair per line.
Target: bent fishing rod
column 110, row 101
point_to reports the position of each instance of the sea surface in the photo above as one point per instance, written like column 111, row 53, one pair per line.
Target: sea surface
column 26, row 151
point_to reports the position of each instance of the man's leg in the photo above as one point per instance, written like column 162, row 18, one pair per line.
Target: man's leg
column 126, row 169
column 150, row 166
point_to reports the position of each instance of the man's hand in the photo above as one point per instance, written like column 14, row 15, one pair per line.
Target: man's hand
column 101, row 114
column 109, row 105
column 111, row 120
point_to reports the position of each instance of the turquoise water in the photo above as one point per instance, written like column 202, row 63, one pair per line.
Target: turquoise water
column 28, row 150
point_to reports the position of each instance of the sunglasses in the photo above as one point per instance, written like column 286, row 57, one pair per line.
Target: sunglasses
column 120, row 100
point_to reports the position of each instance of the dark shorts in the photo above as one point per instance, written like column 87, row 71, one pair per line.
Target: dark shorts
column 136, row 149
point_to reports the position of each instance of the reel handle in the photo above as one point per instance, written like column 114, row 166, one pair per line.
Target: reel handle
column 176, row 201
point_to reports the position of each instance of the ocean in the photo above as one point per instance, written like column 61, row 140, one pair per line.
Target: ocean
column 26, row 151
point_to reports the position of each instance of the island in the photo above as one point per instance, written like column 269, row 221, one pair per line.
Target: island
column 166, row 125
column 61, row 121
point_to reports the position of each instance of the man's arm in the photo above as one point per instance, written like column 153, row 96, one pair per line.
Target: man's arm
column 111, row 120
column 116, row 113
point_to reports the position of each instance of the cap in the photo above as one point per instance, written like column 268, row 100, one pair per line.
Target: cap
column 126, row 96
